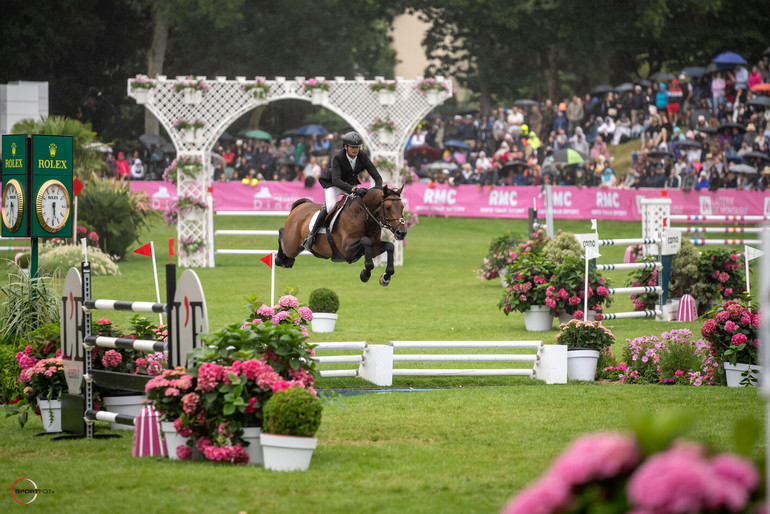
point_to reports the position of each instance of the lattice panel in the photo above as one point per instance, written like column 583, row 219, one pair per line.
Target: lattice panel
column 654, row 210
column 226, row 100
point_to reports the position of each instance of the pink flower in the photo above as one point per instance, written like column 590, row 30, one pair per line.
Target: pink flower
column 737, row 478
column 730, row 327
column 596, row 457
column 289, row 302
column 728, row 291
column 182, row 430
column 306, row 313
column 252, row 406
column 112, row 359
column 676, row 480
column 563, row 294
column 265, row 311
column 103, row 321
column 547, row 495
column 602, row 291
column 724, row 277
column 184, row 452
column 738, row 339
column 209, row 375
column 190, row 403
column 579, row 314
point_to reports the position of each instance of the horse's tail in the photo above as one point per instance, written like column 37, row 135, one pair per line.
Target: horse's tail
column 300, row 202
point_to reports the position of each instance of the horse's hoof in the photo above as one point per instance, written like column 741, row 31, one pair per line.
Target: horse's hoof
column 365, row 274
column 384, row 280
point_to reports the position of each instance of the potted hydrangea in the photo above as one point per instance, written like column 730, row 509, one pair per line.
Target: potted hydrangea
column 319, row 90
column 526, row 292
column 292, row 418
column 732, row 331
column 384, row 128
column 386, row 91
column 584, row 340
column 258, row 87
column 324, row 303
column 431, row 88
column 192, row 89
column 566, row 291
column 142, row 87
column 502, row 252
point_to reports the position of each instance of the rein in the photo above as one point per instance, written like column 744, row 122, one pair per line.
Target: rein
column 384, row 225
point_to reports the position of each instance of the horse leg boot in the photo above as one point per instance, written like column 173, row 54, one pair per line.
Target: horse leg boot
column 319, row 222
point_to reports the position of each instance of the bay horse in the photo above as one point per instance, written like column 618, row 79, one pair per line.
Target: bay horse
column 355, row 231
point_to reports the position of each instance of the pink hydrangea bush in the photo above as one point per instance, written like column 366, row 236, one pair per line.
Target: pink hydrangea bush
column 732, row 332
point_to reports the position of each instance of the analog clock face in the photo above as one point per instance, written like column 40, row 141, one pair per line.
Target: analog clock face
column 13, row 205
column 53, row 206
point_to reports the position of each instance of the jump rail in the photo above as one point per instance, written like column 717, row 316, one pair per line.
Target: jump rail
column 244, row 232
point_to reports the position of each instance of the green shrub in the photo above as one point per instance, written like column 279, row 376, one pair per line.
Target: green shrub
column 118, row 215
column 293, row 411
column 9, row 373
column 684, row 270
column 563, row 244
column 26, row 304
column 323, row 300
column 60, row 258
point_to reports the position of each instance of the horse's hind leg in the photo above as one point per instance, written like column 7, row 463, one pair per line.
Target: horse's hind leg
column 281, row 259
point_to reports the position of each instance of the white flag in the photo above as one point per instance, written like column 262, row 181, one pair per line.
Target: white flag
column 592, row 253
column 752, row 253
column 593, row 224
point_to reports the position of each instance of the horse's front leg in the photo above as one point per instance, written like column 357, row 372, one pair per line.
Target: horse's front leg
column 366, row 273
column 385, row 246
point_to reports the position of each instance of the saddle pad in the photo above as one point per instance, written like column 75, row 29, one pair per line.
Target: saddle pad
column 311, row 224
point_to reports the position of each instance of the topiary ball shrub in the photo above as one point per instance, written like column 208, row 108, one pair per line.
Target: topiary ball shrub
column 292, row 411
column 564, row 244
column 324, row 300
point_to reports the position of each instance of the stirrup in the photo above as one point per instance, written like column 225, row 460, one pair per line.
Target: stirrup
column 309, row 242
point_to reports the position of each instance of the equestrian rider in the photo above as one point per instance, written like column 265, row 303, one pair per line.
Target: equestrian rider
column 342, row 177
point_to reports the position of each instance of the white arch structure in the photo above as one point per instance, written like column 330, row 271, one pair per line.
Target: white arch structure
column 223, row 101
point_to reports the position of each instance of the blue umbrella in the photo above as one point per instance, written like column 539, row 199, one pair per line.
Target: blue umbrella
column 727, row 60
column 311, row 130
column 457, row 144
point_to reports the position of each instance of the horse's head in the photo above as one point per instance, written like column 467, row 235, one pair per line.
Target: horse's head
column 387, row 206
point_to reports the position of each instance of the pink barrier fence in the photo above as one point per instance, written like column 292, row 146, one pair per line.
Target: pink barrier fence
column 501, row 202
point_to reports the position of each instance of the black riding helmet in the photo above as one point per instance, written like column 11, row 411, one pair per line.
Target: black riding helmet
column 352, row 139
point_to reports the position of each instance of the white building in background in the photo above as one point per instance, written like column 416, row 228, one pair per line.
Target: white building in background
column 411, row 61
column 21, row 100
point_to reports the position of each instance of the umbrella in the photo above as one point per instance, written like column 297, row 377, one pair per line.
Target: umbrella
column 707, row 130
column 602, row 89
column 217, row 159
column 568, row 156
column 525, row 102
column 756, row 155
column 660, row 154
column 662, row 76
column 311, row 130
column 729, row 126
column 727, row 60
column 693, row 121
column 763, row 87
column 693, row 71
column 514, row 166
column 226, row 137
column 643, row 82
column 469, row 110
column 743, row 168
column 711, row 68
column 426, row 150
column 686, row 143
column 455, row 143
column 761, row 101
column 258, row 134
column 152, row 139
column 442, row 165
column 625, row 87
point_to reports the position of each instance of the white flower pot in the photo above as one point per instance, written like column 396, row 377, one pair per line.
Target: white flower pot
column 386, row 136
column 259, row 94
column 501, row 273
column 386, row 97
column 144, row 96
column 286, row 452
column 733, row 374
column 538, row 318
column 318, row 96
column 173, row 439
column 323, row 322
column 191, row 136
column 51, row 414
column 192, row 96
column 431, row 96
column 129, row 405
column 254, row 437
column 581, row 364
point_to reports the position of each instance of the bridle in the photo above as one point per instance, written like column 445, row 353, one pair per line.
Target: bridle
column 381, row 207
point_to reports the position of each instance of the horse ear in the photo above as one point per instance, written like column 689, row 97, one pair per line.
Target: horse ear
column 398, row 191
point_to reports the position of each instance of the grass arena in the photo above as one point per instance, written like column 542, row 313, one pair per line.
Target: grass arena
column 439, row 444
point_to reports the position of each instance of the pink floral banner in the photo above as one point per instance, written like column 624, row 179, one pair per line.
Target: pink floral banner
column 500, row 202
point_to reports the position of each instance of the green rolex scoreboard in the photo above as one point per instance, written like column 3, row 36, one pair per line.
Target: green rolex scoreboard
column 37, row 186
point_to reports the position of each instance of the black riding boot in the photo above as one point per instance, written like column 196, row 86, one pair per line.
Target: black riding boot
column 319, row 222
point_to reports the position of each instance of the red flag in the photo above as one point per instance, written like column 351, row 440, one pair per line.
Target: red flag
column 171, row 247
column 268, row 259
column 77, row 186
column 145, row 250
